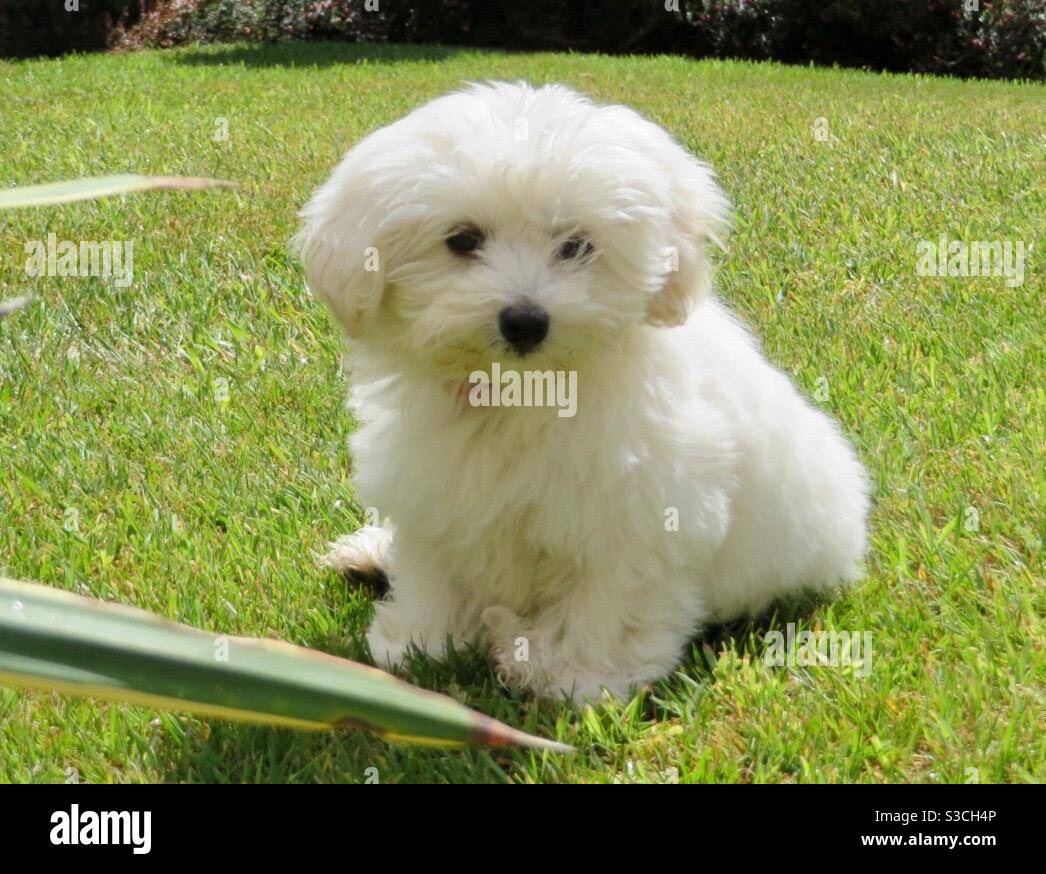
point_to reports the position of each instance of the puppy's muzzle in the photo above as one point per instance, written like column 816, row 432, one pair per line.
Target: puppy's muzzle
column 524, row 326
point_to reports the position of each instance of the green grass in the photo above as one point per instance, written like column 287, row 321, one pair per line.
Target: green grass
column 211, row 511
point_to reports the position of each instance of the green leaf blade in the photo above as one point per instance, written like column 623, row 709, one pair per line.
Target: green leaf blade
column 56, row 640
column 54, row 193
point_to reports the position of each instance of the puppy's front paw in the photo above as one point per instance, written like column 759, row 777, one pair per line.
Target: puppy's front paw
column 510, row 649
column 362, row 557
column 524, row 659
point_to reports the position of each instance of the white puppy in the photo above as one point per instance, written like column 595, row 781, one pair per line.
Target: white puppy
column 534, row 230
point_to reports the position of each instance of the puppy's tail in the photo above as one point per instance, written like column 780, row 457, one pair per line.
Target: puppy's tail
column 362, row 557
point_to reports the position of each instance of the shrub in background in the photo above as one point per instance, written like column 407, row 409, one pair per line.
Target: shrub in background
column 273, row 20
column 612, row 26
column 881, row 34
column 1010, row 39
column 993, row 38
column 959, row 37
column 53, row 27
column 175, row 22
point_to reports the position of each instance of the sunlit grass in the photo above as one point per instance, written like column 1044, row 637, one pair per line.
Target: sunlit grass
column 178, row 444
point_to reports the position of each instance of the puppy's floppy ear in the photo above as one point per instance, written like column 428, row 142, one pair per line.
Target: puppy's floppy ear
column 340, row 249
column 699, row 212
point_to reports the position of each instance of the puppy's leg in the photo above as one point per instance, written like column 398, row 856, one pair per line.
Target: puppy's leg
column 424, row 609
column 610, row 633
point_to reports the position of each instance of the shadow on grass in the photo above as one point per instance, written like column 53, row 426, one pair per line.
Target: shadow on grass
column 746, row 637
column 216, row 751
column 312, row 54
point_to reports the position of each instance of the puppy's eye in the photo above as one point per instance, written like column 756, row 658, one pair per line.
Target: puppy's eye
column 575, row 248
column 465, row 241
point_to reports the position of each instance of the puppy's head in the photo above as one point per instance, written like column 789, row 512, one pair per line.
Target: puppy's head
column 504, row 222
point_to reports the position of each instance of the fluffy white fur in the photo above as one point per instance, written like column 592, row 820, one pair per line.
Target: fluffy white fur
column 511, row 523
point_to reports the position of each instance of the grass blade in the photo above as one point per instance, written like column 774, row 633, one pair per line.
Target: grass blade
column 51, row 639
column 102, row 186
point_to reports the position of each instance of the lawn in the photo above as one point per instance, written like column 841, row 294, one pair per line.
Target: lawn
column 179, row 443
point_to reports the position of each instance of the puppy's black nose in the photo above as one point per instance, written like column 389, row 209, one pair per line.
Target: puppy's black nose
column 524, row 326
